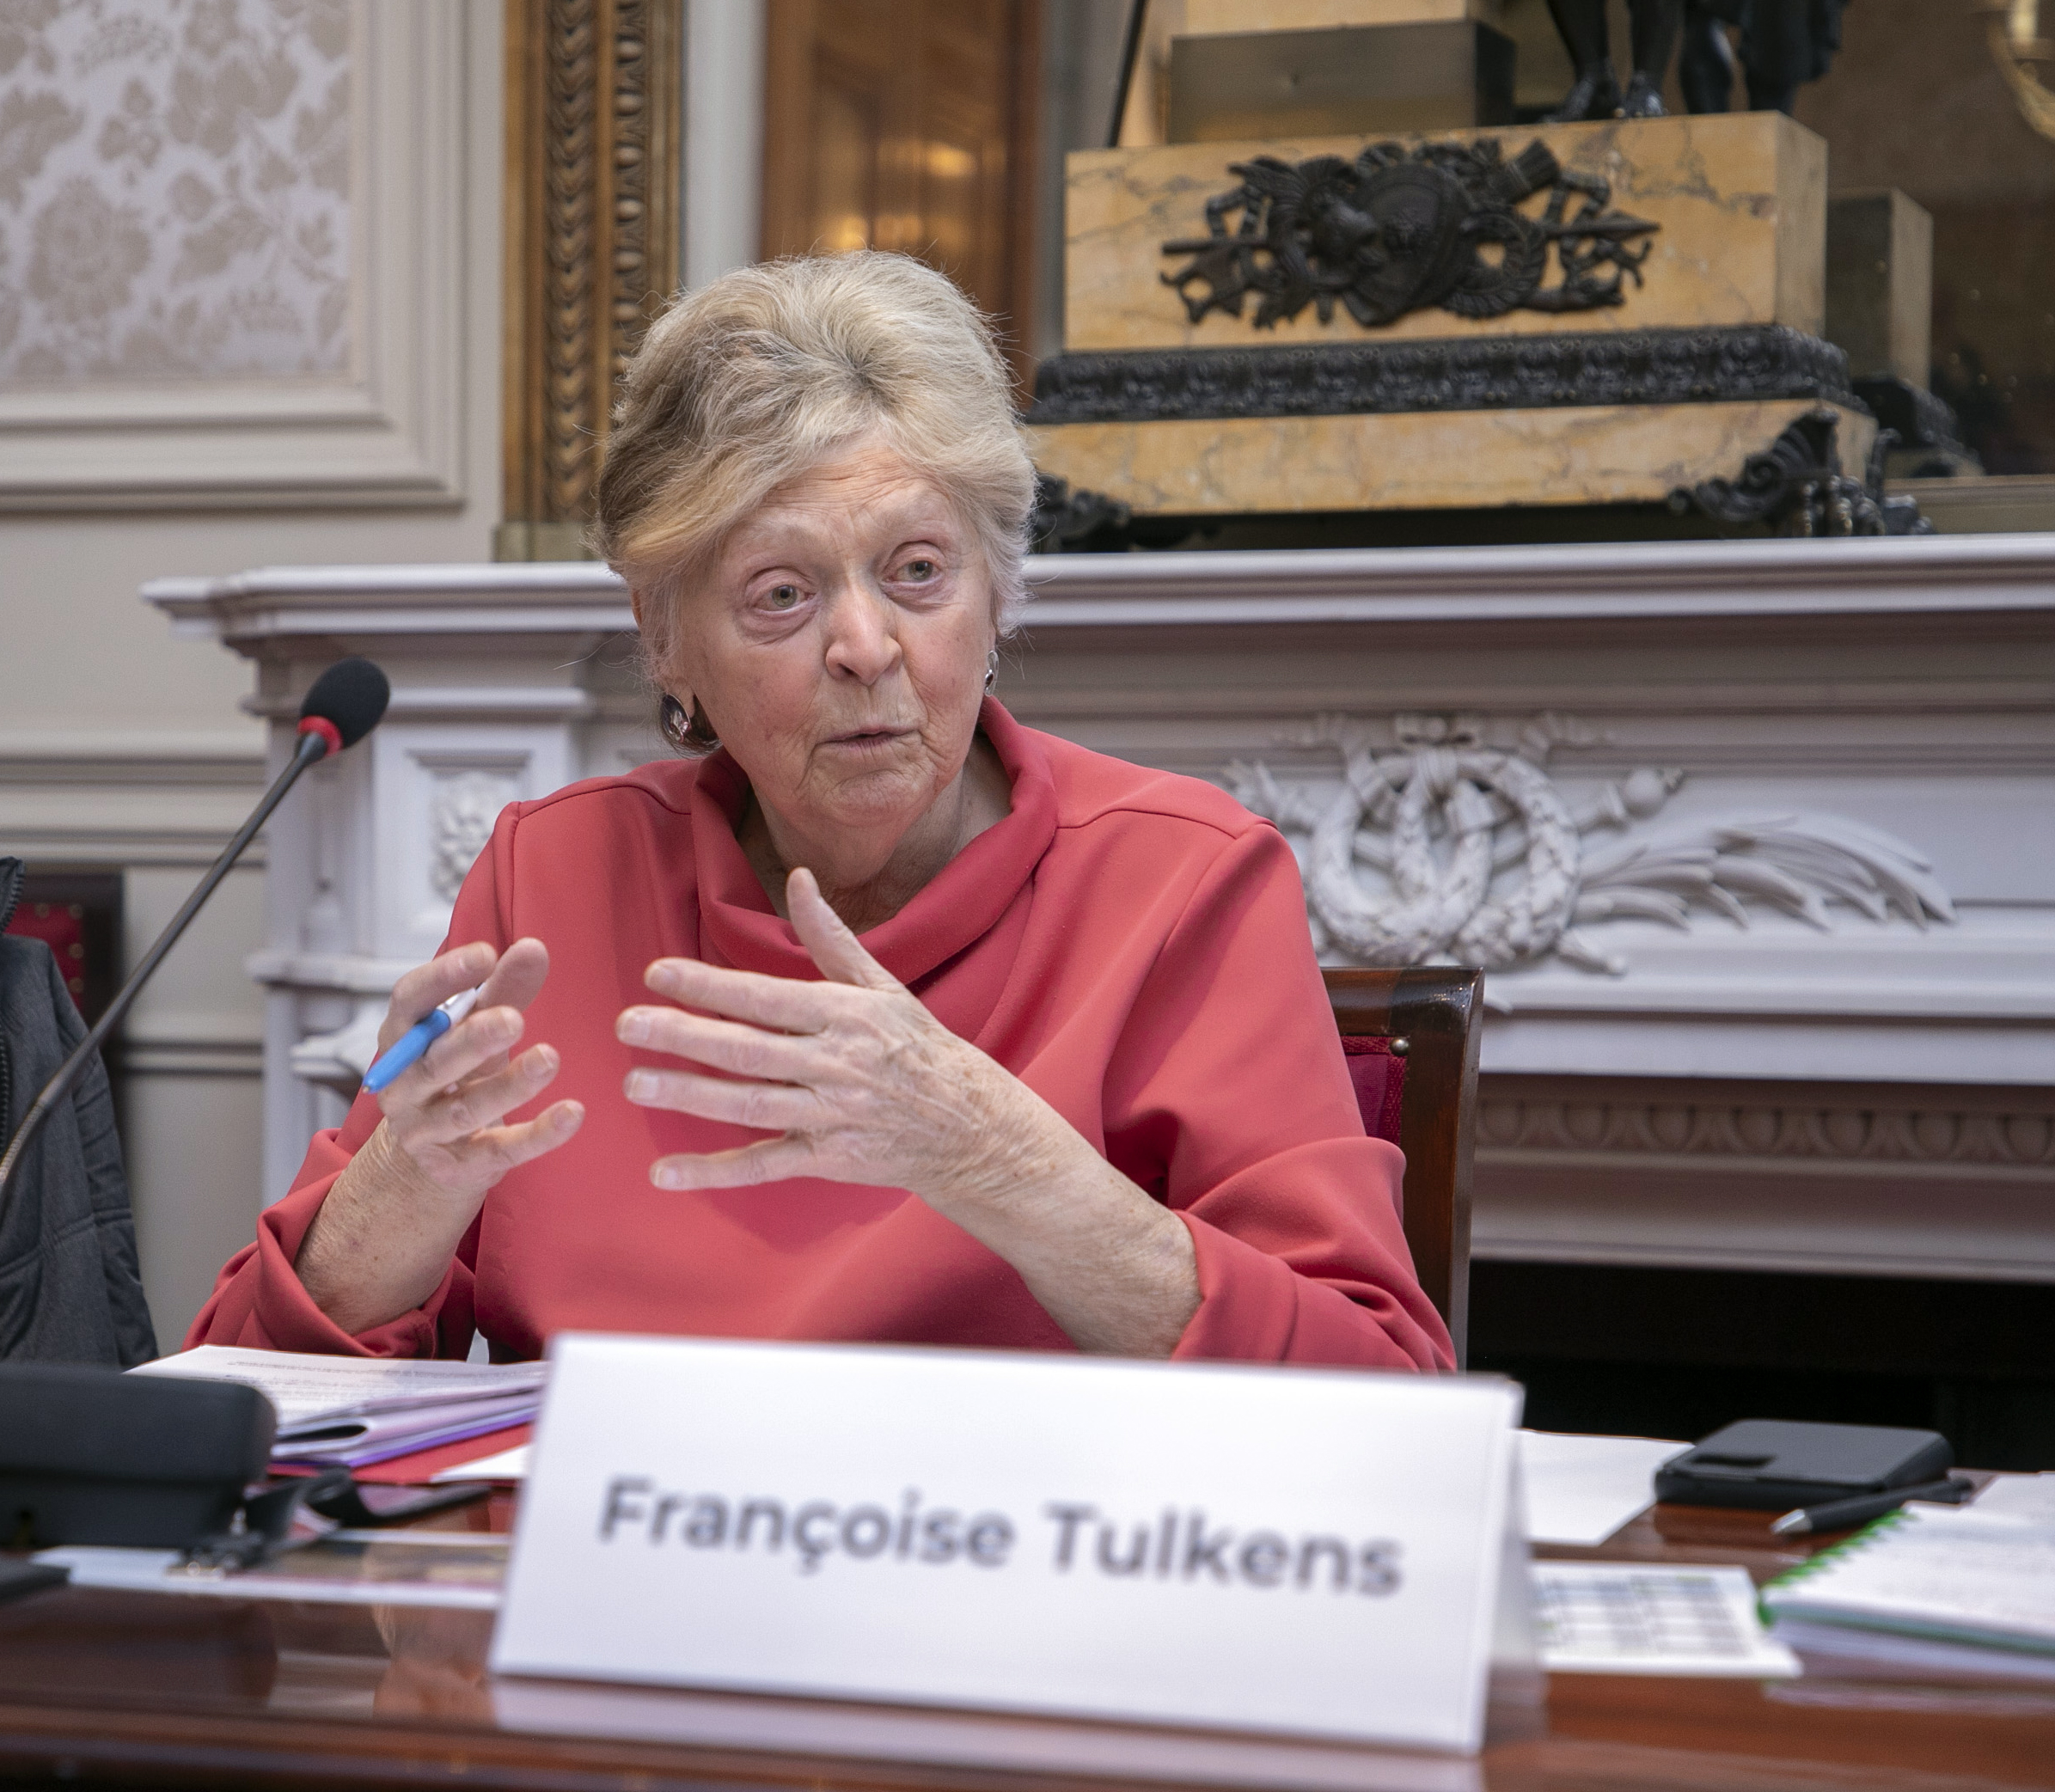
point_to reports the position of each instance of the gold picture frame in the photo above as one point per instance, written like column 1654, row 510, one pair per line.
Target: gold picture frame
column 2021, row 52
column 593, row 97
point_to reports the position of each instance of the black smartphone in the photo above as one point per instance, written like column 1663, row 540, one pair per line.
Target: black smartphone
column 1776, row 1464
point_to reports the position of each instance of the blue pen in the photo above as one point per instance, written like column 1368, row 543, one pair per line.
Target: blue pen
column 418, row 1038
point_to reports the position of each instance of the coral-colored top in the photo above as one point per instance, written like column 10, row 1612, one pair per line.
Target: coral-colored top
column 1131, row 944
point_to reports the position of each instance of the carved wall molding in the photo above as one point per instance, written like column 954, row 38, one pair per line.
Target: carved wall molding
column 593, row 94
column 1833, row 1178
column 1874, row 1129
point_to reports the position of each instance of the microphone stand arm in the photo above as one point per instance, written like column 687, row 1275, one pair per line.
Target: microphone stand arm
column 309, row 747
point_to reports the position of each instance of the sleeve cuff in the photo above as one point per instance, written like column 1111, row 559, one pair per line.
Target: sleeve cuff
column 1254, row 1307
column 260, row 1303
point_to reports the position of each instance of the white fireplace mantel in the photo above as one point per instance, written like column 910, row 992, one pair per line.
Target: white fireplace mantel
column 1852, row 1090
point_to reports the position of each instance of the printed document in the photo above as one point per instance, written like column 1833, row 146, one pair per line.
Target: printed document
column 1581, row 1490
column 351, row 1410
column 304, row 1387
column 1626, row 1617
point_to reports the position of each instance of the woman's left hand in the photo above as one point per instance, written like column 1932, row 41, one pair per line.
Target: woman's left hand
column 860, row 1081
column 861, row 1084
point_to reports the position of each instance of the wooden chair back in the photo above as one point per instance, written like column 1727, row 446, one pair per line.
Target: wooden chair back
column 1432, row 1017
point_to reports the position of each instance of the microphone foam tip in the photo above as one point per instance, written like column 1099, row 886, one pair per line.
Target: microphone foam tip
column 351, row 696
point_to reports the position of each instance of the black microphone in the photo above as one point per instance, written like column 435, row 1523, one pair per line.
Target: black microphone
column 344, row 706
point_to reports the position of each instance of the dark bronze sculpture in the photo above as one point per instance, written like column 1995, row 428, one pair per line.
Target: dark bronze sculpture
column 1597, row 93
column 1795, row 487
column 1379, row 375
column 1784, row 44
column 1399, row 230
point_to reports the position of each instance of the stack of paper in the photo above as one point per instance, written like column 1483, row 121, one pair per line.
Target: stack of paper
column 346, row 1411
column 1931, row 1590
column 2027, row 1497
column 501, row 1465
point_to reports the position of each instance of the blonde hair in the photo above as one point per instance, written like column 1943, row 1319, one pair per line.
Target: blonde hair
column 761, row 374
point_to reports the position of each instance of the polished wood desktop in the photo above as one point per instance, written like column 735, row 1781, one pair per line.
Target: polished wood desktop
column 133, row 1690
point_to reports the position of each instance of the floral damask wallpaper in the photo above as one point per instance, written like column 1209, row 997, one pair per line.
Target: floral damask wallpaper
column 174, row 189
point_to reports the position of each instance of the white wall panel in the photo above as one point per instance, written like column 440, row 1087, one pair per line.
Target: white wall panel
column 124, row 745
column 242, row 258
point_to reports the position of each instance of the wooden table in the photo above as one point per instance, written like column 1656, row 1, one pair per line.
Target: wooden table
column 110, row 1689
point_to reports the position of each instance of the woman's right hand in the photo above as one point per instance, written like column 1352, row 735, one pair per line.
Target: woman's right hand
column 382, row 1239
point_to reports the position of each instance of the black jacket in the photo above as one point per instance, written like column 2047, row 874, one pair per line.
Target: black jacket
column 70, row 1291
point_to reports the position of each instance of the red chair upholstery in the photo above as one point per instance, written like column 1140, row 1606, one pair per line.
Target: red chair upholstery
column 1379, row 1076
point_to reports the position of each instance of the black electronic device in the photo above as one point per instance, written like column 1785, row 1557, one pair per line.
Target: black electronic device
column 166, row 1462
column 94, row 1456
column 1777, row 1464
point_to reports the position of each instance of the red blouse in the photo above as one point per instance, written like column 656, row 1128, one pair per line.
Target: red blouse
column 1131, row 944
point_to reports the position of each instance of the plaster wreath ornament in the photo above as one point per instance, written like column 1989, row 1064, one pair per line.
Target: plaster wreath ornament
column 1477, row 856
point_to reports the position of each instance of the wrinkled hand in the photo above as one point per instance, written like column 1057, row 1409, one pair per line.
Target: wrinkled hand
column 382, row 1240
column 859, row 1080
column 861, row 1084
column 445, row 1114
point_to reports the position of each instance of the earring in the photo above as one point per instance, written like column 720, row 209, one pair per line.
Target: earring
column 992, row 668
column 674, row 721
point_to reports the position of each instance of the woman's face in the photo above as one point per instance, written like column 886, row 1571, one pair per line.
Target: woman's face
column 839, row 646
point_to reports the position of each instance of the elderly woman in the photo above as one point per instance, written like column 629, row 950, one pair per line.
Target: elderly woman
column 879, row 1017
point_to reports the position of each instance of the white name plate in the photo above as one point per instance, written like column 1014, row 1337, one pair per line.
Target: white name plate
column 1312, row 1552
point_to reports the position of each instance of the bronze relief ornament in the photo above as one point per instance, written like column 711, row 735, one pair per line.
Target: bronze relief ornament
column 1399, row 230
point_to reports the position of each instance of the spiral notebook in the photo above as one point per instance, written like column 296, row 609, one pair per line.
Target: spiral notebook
column 1932, row 1573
